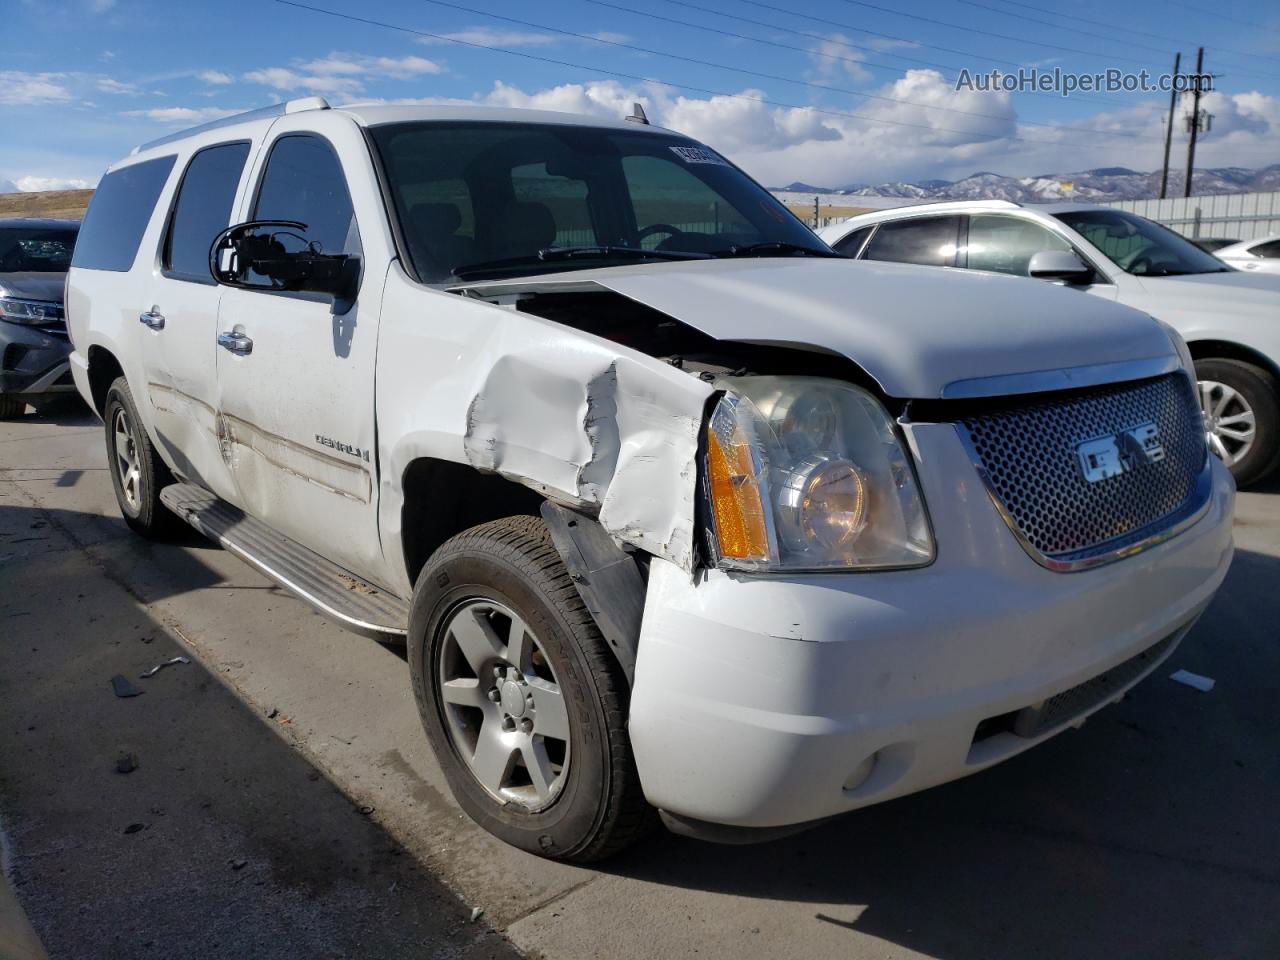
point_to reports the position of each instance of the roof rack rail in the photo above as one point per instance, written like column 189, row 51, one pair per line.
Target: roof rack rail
column 275, row 110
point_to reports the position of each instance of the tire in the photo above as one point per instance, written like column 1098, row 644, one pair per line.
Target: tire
column 11, row 408
column 137, row 472
column 585, row 802
column 1229, row 391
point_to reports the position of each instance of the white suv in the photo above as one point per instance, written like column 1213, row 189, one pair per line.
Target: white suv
column 667, row 519
column 1228, row 318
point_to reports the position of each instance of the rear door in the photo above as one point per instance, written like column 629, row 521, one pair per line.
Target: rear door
column 295, row 376
column 182, row 316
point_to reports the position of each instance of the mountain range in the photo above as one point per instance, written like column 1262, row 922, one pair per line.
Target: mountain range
column 1104, row 183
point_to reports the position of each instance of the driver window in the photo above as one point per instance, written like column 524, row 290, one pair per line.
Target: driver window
column 304, row 182
column 1007, row 244
column 663, row 193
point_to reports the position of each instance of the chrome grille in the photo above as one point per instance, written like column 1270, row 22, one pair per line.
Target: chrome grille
column 1027, row 451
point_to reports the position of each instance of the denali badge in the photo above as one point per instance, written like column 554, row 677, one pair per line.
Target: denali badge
column 1106, row 457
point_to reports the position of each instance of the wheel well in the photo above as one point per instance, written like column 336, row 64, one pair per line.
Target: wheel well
column 104, row 368
column 441, row 499
column 1225, row 350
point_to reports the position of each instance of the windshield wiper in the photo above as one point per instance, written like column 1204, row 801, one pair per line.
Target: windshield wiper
column 553, row 254
column 766, row 247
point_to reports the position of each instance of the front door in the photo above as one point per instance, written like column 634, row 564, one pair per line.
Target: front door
column 295, row 372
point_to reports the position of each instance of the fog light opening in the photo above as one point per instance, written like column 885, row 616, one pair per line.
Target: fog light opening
column 860, row 773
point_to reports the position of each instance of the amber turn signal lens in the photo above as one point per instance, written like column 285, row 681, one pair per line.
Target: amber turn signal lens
column 735, row 497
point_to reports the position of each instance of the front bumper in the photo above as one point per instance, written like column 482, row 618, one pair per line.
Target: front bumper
column 761, row 702
column 34, row 361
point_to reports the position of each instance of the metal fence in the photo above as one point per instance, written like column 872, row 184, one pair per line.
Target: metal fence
column 1240, row 216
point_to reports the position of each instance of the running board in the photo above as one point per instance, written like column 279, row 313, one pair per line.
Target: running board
column 355, row 603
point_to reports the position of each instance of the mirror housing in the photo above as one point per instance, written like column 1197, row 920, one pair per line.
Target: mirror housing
column 257, row 247
column 1062, row 265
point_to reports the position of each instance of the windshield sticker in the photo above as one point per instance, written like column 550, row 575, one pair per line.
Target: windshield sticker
column 699, row 155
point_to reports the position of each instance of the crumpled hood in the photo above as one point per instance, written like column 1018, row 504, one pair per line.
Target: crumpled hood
column 32, row 285
column 915, row 330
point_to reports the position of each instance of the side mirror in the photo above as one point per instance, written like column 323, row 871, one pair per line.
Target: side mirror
column 276, row 255
column 1061, row 265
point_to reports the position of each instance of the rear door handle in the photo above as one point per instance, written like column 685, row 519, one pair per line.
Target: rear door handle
column 237, row 343
column 152, row 318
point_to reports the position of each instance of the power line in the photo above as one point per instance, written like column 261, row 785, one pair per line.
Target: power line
column 663, row 83
column 1113, row 38
column 885, row 36
column 808, row 51
column 986, row 33
column 758, row 74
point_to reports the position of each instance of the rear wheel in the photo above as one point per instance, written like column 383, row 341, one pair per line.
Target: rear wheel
column 1241, row 417
column 137, row 472
column 520, row 697
column 11, row 407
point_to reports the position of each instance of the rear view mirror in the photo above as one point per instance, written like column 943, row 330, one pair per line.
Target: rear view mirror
column 1061, row 265
column 276, row 255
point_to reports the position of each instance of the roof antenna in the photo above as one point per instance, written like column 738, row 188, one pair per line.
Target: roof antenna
column 637, row 114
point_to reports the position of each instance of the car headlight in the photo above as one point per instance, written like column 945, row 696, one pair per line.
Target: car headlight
column 16, row 310
column 805, row 473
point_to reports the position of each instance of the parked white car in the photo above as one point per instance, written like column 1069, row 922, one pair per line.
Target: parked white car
column 666, row 516
column 1261, row 254
column 1229, row 318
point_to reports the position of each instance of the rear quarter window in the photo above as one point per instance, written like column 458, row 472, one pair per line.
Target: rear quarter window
column 118, row 215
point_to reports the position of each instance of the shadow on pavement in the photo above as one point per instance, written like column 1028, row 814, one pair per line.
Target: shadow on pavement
column 1150, row 832
column 179, row 823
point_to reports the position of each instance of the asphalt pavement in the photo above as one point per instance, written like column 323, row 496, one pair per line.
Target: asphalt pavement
column 275, row 798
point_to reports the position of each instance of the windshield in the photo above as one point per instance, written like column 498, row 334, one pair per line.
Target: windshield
column 1140, row 246
column 36, row 249
column 504, row 199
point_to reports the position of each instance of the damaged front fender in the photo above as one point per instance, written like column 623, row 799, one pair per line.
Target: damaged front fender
column 585, row 422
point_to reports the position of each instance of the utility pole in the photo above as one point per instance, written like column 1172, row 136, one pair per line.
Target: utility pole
column 1168, row 133
column 1195, row 123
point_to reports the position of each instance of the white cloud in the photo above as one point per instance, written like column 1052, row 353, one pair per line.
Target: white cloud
column 832, row 57
column 894, row 140
column 341, row 73
column 184, row 115
column 28, row 89
column 215, row 77
column 36, row 184
column 108, row 85
column 489, row 37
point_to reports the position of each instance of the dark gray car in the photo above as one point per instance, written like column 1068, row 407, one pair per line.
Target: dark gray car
column 34, row 257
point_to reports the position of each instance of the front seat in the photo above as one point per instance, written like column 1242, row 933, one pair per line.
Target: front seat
column 437, row 247
column 523, row 230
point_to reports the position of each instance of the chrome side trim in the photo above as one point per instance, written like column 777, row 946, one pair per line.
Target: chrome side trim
column 1127, row 545
column 1068, row 378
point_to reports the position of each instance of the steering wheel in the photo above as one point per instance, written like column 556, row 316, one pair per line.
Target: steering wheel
column 659, row 228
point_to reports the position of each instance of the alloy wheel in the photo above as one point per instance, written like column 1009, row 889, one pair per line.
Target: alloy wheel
column 504, row 708
column 128, row 461
column 1229, row 422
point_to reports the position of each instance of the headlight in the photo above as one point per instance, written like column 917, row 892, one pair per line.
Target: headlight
column 29, row 311
column 808, row 474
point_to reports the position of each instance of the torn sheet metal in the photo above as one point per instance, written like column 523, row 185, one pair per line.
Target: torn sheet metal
column 598, row 432
column 586, row 422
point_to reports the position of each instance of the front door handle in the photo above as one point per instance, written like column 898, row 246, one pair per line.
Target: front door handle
column 152, row 318
column 237, row 343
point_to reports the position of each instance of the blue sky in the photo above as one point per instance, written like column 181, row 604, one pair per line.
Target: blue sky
column 847, row 91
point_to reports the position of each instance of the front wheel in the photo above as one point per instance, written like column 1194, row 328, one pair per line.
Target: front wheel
column 523, row 703
column 11, row 407
column 1241, row 417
